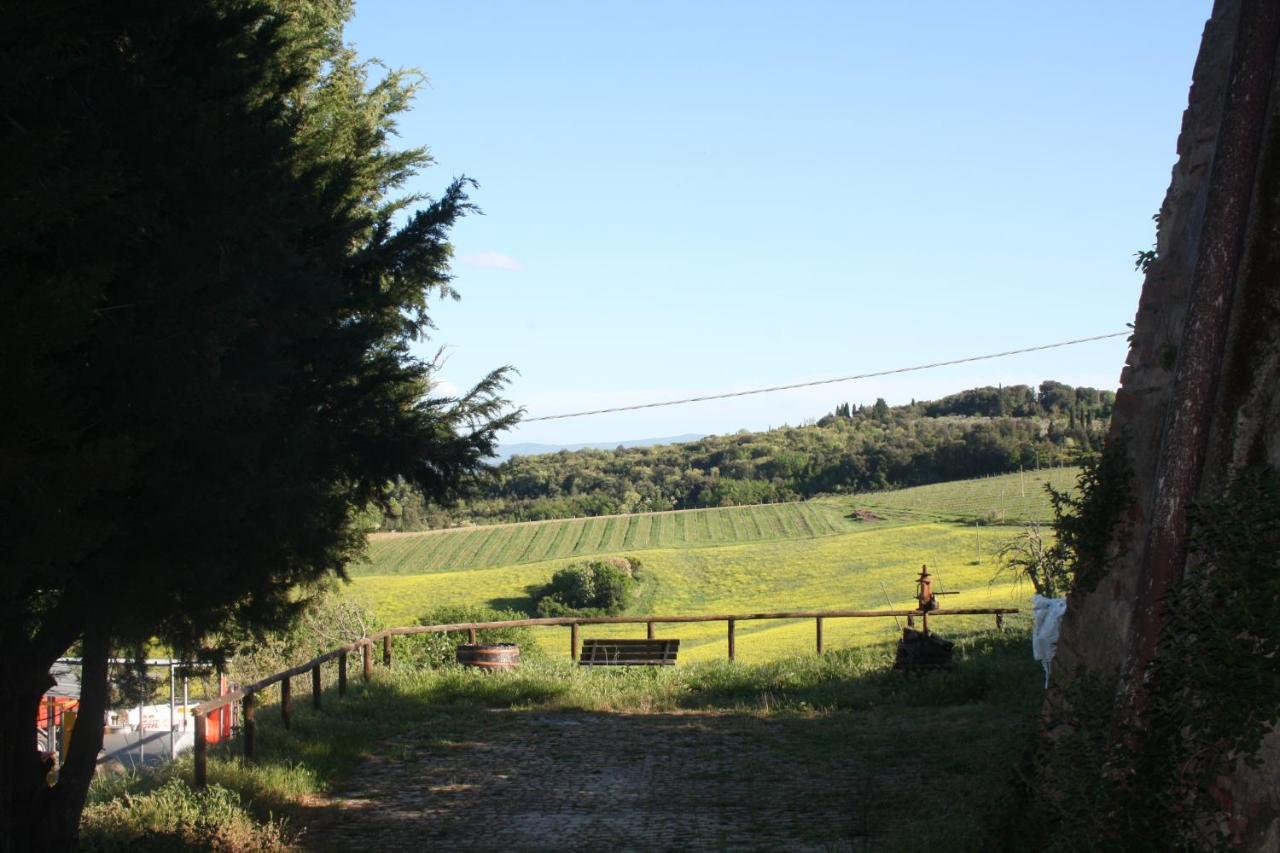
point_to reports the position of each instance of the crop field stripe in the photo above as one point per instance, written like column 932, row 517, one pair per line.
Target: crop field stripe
column 580, row 536
column 481, row 546
column 557, row 544
column 439, row 556
column 556, row 531
column 703, row 527
column 795, row 522
column 608, row 529
column 662, row 530
column 800, row 514
column 418, row 555
column 729, row 528
column 618, row 533
column 679, row 532
column 501, row 545
column 805, row 520
column 541, row 532
column 715, row 526
column 396, row 555
column 518, row 543
column 766, row 519
column 707, row 528
column 644, row 532
column 487, row 553
column 601, row 537
column 600, row 534
column 533, row 544
column 783, row 520
column 466, row 542
column 629, row 537
column 471, row 546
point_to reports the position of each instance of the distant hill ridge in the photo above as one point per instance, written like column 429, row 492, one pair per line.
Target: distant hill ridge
column 975, row 433
column 529, row 448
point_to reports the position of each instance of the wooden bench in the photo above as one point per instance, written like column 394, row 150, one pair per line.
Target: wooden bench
column 629, row 652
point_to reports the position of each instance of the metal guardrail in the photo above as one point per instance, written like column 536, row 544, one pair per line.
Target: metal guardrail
column 247, row 694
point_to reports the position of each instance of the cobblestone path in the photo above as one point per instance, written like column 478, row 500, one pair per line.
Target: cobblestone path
column 607, row 782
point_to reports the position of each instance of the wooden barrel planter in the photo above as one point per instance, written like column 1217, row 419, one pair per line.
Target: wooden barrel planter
column 489, row 655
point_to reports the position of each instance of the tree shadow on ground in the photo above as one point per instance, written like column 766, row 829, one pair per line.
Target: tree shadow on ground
column 522, row 604
column 830, row 753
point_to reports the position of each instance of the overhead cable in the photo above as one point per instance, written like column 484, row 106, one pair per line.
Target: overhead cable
column 872, row 375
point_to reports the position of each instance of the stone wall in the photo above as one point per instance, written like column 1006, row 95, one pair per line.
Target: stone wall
column 1200, row 392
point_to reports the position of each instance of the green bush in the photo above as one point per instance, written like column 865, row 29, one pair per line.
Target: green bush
column 591, row 588
column 176, row 818
column 434, row 650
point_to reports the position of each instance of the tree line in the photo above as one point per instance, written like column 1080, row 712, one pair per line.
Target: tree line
column 855, row 448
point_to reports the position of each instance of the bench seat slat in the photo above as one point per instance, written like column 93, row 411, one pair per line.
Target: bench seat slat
column 606, row 652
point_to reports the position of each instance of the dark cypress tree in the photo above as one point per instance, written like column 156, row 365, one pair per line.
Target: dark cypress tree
column 206, row 307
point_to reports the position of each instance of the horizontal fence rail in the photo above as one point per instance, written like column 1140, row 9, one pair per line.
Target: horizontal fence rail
column 247, row 694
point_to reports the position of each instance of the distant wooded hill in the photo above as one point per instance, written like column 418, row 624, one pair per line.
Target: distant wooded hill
column 860, row 448
column 529, row 448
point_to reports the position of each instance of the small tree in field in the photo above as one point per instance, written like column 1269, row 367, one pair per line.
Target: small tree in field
column 1027, row 557
column 207, row 295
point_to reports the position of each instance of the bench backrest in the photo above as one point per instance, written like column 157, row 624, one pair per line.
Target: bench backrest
column 601, row 652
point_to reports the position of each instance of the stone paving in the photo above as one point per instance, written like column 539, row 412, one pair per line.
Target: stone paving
column 615, row 782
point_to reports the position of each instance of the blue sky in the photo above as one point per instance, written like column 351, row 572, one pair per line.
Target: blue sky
column 687, row 198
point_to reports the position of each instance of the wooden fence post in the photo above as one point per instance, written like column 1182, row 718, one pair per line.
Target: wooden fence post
column 471, row 636
column 250, row 725
column 342, row 675
column 202, row 752
column 366, row 660
column 649, row 630
column 999, row 621
column 286, row 702
column 911, row 621
column 315, row 687
column 732, row 623
column 386, row 650
column 573, row 641
column 819, row 621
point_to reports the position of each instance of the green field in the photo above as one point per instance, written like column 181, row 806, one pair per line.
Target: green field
column 815, row 555
column 871, row 568
column 1009, row 498
column 510, row 544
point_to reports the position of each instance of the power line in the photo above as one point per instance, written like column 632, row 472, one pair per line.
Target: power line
column 911, row 369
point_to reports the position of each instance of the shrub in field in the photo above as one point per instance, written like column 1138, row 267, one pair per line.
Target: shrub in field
column 176, row 818
column 433, row 650
column 591, row 588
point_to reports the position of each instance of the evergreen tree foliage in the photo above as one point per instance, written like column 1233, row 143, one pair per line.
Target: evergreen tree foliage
column 210, row 289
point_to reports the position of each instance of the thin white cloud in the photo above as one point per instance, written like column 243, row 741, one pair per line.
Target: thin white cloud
column 493, row 261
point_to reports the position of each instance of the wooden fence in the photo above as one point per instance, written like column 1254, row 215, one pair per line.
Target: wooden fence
column 247, row 694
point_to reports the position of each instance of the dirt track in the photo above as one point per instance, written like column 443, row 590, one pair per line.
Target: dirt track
column 577, row 781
